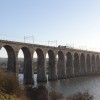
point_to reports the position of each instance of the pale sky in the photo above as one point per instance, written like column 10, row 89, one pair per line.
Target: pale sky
column 71, row 22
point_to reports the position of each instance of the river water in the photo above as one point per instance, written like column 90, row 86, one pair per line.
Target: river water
column 73, row 85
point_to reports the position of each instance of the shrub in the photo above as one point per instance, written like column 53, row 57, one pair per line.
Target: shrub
column 4, row 96
column 55, row 95
column 37, row 93
column 80, row 96
column 9, row 83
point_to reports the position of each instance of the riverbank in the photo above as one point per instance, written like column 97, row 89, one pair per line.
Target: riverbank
column 41, row 93
column 9, row 85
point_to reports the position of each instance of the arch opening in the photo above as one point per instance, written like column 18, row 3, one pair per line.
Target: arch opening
column 69, row 66
column 11, row 61
column 35, row 57
column 47, row 64
column 3, row 59
column 21, row 66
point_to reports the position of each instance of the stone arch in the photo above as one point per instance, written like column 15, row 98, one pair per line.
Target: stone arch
column 27, row 66
column 82, row 64
column 52, row 75
column 98, row 63
column 61, row 65
column 69, row 65
column 88, row 63
column 41, row 74
column 76, row 64
column 93, row 64
column 11, row 63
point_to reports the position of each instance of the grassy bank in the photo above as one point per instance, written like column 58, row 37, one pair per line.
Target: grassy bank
column 11, row 90
column 9, row 87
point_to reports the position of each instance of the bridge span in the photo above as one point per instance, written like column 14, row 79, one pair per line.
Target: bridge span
column 70, row 62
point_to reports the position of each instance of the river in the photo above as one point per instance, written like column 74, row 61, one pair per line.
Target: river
column 74, row 85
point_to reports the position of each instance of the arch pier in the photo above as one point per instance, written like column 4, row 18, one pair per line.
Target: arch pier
column 62, row 62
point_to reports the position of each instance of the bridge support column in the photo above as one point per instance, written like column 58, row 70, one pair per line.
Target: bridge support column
column 96, row 67
column 52, row 76
column 11, row 64
column 69, row 65
column 52, row 70
column 61, row 69
column 41, row 77
column 85, row 67
column 80, row 67
column 73, row 68
column 41, row 71
column 16, row 66
column 91, row 66
column 88, row 64
column 28, row 72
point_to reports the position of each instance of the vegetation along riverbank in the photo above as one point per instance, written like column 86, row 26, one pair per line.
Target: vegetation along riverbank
column 10, row 89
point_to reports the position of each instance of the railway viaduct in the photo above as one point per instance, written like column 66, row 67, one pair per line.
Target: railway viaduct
column 70, row 62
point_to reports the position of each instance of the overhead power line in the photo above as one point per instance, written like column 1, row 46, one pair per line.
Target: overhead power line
column 27, row 37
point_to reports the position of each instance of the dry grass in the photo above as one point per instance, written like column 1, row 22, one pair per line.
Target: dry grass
column 8, row 83
column 80, row 96
column 55, row 95
column 9, row 86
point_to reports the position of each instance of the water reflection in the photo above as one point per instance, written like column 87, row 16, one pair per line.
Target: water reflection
column 74, row 85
